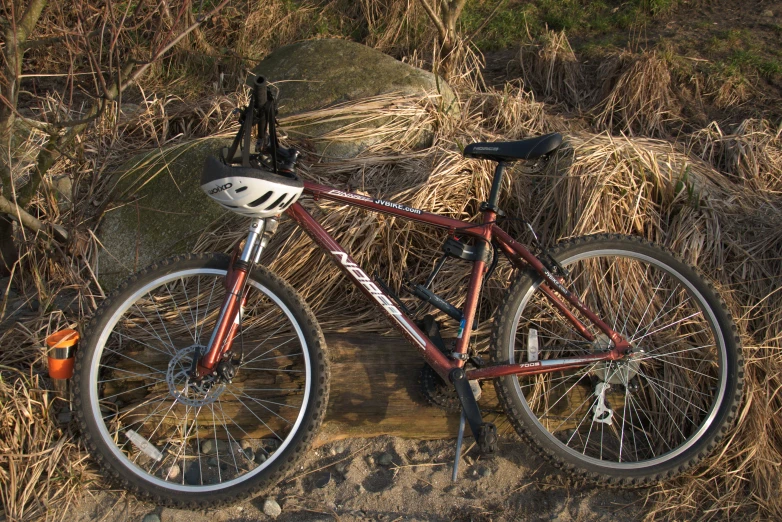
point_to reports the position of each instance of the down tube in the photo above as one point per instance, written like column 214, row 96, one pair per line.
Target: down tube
column 428, row 350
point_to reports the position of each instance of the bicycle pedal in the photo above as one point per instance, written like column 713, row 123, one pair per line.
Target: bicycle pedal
column 487, row 439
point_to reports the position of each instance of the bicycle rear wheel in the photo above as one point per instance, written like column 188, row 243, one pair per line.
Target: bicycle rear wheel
column 201, row 443
column 638, row 420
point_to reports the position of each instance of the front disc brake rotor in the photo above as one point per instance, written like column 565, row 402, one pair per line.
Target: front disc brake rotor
column 183, row 388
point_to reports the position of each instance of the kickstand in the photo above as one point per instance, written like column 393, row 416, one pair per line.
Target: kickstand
column 458, row 447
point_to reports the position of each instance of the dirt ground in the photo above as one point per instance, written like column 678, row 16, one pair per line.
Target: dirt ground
column 388, row 478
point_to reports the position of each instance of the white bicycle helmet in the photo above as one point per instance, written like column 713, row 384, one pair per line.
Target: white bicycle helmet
column 250, row 191
column 261, row 185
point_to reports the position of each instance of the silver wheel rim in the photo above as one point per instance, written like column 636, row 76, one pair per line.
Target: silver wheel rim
column 720, row 348
column 168, row 484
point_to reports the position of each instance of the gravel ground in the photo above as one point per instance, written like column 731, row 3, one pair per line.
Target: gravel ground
column 389, row 479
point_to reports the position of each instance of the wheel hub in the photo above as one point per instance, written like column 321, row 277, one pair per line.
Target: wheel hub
column 614, row 372
column 183, row 388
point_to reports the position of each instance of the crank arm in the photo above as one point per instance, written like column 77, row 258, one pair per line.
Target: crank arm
column 485, row 433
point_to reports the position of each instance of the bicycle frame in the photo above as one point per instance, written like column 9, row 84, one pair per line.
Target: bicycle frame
column 486, row 231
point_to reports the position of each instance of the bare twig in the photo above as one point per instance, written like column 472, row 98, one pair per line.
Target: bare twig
column 438, row 23
column 486, row 20
column 56, row 231
column 141, row 70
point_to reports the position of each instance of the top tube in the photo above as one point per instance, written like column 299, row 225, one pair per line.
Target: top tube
column 396, row 209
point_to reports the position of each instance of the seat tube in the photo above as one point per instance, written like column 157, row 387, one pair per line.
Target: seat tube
column 470, row 305
column 228, row 320
column 490, row 210
column 473, row 294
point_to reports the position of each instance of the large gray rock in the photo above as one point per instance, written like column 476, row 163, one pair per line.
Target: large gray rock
column 315, row 74
column 161, row 209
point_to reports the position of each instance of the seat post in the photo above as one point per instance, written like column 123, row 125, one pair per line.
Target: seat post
column 494, row 195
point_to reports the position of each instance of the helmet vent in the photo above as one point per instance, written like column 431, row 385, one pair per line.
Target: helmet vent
column 286, row 205
column 241, row 189
column 260, row 199
column 277, row 201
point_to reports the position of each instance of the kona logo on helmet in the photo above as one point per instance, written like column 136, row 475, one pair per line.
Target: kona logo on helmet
column 221, row 188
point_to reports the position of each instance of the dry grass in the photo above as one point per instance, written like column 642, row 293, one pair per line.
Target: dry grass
column 41, row 467
column 272, row 24
column 728, row 90
column 550, row 65
column 751, row 154
column 396, row 27
column 638, row 96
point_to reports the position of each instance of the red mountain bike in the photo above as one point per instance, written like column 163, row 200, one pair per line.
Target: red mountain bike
column 205, row 377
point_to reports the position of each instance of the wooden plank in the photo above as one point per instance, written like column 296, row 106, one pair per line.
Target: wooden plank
column 375, row 390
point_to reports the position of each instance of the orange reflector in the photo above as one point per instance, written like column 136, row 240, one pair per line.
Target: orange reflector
column 60, row 368
column 62, row 346
column 63, row 339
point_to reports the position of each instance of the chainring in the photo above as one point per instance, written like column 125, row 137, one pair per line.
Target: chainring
column 437, row 392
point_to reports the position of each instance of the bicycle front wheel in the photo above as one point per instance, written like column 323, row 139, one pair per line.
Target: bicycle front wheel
column 649, row 416
column 199, row 443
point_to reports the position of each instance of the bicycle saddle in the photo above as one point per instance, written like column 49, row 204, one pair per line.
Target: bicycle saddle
column 529, row 149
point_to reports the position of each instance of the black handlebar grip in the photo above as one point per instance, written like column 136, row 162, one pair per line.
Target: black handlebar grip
column 260, row 85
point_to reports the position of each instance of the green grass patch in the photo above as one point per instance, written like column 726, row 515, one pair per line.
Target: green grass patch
column 752, row 61
column 507, row 28
column 608, row 20
column 741, row 52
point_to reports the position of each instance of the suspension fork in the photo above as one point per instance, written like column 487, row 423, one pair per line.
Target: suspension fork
column 229, row 319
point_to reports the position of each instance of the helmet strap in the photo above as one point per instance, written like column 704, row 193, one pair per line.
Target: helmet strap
column 267, row 120
column 263, row 116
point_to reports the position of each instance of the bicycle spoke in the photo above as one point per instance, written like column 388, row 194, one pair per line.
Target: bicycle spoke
column 678, row 307
column 132, row 359
column 142, row 375
column 121, row 335
column 647, row 357
column 207, row 308
column 667, row 326
column 254, row 415
column 273, row 370
column 176, row 307
column 656, row 396
column 291, row 356
column 264, row 342
column 664, row 390
column 260, row 402
column 153, row 333
column 228, row 433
